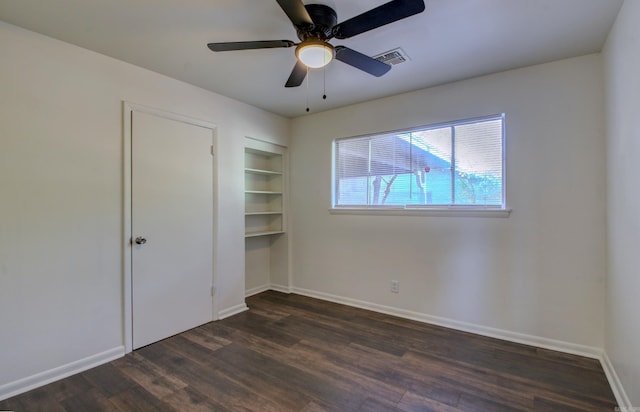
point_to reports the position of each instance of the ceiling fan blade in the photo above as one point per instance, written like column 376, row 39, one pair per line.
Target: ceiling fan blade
column 297, row 13
column 361, row 61
column 297, row 75
column 387, row 13
column 248, row 45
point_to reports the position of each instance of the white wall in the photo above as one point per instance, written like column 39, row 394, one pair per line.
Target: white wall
column 622, row 66
column 61, row 208
column 538, row 272
column 257, row 263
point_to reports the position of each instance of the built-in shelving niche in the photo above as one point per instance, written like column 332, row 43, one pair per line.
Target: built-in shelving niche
column 266, row 239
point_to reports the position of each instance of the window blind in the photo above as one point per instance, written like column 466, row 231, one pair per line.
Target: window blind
column 454, row 164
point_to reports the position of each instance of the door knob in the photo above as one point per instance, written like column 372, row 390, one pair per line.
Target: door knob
column 140, row 240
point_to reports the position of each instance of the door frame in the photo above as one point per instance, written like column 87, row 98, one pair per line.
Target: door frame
column 128, row 109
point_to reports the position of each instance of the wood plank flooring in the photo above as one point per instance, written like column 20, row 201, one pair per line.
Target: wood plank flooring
column 294, row 353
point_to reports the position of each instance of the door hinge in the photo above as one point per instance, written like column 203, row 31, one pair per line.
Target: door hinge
column 213, row 290
column 212, row 150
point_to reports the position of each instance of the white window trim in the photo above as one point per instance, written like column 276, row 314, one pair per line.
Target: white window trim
column 435, row 210
column 440, row 211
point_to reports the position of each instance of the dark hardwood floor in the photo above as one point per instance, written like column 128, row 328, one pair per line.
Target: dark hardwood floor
column 293, row 353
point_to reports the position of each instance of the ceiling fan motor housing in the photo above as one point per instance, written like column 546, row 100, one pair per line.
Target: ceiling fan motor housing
column 324, row 18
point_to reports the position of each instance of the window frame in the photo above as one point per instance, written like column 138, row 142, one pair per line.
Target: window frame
column 426, row 210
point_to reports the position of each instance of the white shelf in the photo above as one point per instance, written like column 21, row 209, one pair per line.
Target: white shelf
column 256, row 234
column 262, row 192
column 262, row 172
column 263, row 213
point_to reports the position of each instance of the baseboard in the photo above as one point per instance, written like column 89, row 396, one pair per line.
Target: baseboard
column 614, row 382
column 546, row 343
column 234, row 310
column 264, row 288
column 31, row 382
column 280, row 288
column 531, row 340
column 256, row 290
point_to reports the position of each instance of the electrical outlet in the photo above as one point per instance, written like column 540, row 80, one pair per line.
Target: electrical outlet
column 395, row 286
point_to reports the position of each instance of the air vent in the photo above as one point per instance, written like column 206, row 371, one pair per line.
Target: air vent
column 392, row 57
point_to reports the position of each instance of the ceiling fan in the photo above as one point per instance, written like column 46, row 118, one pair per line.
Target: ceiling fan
column 316, row 24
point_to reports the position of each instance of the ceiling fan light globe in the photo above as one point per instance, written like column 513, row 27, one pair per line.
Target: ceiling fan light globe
column 315, row 55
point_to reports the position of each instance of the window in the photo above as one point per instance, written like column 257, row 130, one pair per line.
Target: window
column 457, row 165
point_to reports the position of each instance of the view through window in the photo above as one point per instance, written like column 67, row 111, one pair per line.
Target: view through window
column 457, row 164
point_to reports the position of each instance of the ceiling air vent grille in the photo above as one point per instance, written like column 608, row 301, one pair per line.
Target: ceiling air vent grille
column 392, row 57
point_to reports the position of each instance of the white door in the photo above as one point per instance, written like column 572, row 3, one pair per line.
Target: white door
column 171, row 226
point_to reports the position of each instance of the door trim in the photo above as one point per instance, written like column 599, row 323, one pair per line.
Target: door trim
column 128, row 108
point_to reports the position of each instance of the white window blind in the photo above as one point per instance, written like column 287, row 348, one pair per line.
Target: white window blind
column 457, row 164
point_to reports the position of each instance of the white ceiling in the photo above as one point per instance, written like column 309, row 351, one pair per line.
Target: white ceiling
column 451, row 40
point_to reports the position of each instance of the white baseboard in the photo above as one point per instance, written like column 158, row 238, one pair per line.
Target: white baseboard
column 546, row 343
column 537, row 341
column 280, row 288
column 233, row 310
column 256, row 290
column 39, row 379
column 614, row 381
column 264, row 288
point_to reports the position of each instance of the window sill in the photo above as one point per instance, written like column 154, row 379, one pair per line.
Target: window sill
column 412, row 211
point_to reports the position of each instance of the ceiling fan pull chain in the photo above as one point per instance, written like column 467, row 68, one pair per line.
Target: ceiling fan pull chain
column 324, row 82
column 307, row 89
